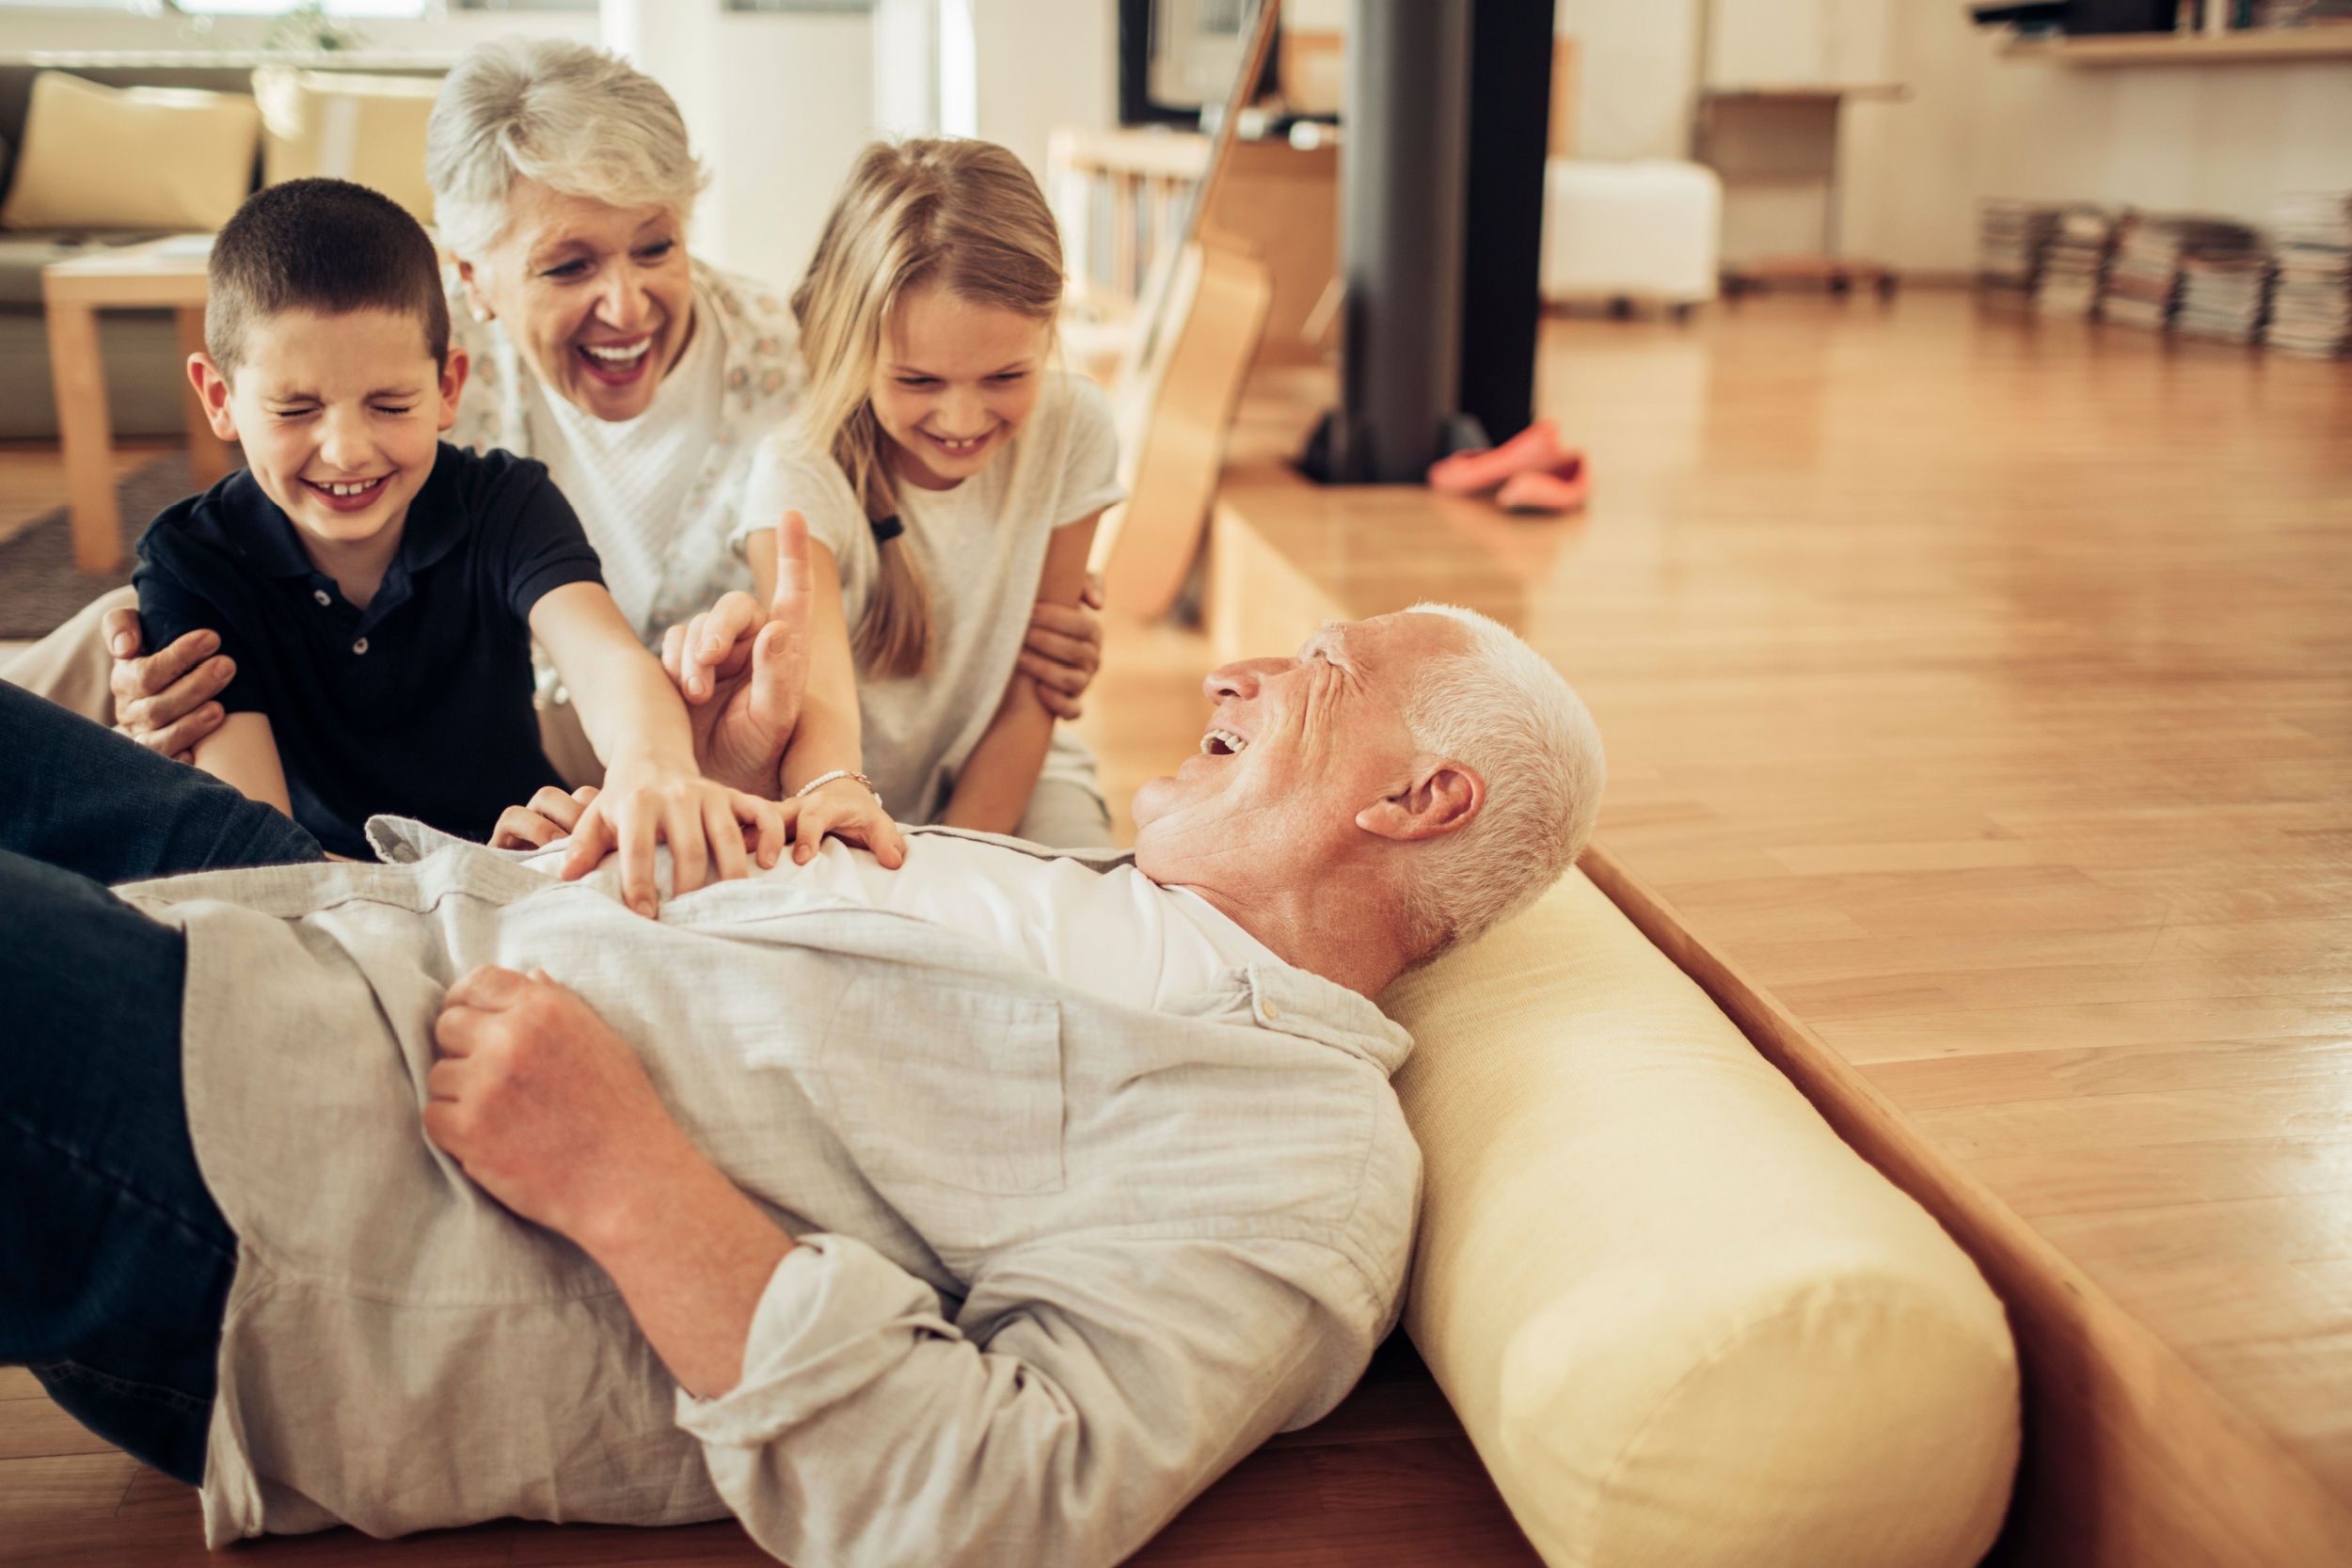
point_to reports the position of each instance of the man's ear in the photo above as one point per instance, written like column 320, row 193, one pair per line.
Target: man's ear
column 454, row 370
column 212, row 395
column 1440, row 797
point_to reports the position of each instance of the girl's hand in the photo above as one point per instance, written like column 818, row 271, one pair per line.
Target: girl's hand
column 1064, row 649
column 743, row 668
column 847, row 811
column 643, row 804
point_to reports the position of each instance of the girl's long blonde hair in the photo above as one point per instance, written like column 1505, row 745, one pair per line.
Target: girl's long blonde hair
column 964, row 217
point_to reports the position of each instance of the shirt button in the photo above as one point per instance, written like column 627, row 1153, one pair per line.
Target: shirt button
column 1271, row 1011
column 321, row 594
column 360, row 647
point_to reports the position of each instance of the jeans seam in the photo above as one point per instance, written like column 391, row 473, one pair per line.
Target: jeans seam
column 156, row 1393
column 123, row 1187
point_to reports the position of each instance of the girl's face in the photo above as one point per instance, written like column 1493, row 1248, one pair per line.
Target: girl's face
column 954, row 382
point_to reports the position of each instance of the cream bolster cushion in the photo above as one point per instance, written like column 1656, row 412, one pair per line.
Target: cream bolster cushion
column 100, row 157
column 1683, row 1322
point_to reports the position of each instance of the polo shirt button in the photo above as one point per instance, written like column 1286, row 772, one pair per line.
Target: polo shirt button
column 360, row 647
column 320, row 595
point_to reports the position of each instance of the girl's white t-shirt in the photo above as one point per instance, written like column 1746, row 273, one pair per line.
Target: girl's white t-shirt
column 982, row 547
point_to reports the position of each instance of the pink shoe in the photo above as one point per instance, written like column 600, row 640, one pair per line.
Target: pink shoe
column 1471, row 473
column 1560, row 489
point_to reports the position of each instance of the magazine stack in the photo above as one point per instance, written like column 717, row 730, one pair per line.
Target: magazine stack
column 2311, row 307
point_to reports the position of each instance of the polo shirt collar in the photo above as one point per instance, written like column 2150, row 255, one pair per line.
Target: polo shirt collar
column 433, row 528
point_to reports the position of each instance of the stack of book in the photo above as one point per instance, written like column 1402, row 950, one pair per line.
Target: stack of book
column 2143, row 286
column 2225, row 294
column 2311, row 305
column 2074, row 267
column 2012, row 238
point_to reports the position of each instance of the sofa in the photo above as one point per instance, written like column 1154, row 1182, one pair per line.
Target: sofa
column 368, row 127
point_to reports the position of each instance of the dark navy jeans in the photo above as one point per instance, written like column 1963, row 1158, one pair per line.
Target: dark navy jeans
column 114, row 1263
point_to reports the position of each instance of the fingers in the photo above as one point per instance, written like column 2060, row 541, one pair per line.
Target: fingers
column 890, row 846
column 768, row 824
column 486, row 989
column 158, row 670
column 673, row 657
column 1046, row 672
column 563, row 810
column 1093, row 595
column 178, row 738
column 638, row 832
column 1060, row 704
column 521, row 828
column 728, row 861
column 718, row 641
column 683, row 825
column 1076, row 652
column 122, row 632
column 592, row 840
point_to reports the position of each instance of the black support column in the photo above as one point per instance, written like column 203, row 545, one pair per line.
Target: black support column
column 1510, row 132
column 1402, row 177
column 1441, row 230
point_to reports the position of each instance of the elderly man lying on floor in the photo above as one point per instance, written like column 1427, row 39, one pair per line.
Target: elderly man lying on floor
column 983, row 1210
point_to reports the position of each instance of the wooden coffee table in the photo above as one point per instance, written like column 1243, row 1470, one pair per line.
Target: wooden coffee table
column 161, row 272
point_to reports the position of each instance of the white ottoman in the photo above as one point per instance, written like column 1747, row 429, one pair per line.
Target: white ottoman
column 1683, row 1322
column 1647, row 229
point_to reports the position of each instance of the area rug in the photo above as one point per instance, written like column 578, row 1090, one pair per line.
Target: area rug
column 39, row 587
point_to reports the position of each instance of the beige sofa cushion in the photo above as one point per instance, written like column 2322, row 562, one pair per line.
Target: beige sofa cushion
column 1683, row 1322
column 367, row 129
column 99, row 157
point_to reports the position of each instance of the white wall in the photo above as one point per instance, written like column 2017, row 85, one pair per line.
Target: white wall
column 1637, row 68
column 1045, row 63
column 798, row 91
column 2216, row 138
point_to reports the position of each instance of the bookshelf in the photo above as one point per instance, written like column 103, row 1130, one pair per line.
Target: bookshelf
column 2324, row 41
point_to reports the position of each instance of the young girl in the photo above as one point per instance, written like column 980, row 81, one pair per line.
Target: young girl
column 951, row 478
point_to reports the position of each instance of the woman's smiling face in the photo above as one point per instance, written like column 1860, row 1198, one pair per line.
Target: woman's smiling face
column 954, row 382
column 600, row 298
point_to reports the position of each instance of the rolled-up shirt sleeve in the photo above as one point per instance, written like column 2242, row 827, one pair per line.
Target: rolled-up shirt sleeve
column 1085, row 1392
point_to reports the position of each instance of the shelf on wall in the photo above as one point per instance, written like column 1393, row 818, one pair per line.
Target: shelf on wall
column 2320, row 41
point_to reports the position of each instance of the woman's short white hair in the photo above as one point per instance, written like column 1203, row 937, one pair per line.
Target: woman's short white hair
column 1496, row 706
column 574, row 119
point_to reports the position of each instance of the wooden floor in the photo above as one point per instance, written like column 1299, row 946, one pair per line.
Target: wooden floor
column 1978, row 697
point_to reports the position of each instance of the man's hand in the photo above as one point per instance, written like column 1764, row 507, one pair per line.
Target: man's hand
column 165, row 701
column 551, row 1112
column 743, row 670
column 1064, row 650
column 545, row 1106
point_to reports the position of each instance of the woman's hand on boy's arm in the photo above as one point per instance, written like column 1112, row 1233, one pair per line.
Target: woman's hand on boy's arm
column 164, row 700
column 1064, row 649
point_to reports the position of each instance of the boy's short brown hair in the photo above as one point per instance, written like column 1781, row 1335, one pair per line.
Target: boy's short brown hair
column 327, row 246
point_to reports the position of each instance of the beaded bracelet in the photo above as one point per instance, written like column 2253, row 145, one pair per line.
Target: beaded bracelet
column 823, row 779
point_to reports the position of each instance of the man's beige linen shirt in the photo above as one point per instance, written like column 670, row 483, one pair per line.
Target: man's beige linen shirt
column 1062, row 1260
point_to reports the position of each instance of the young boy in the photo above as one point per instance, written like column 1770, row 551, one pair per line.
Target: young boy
column 377, row 590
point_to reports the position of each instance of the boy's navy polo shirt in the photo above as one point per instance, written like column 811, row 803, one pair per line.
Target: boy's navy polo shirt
column 419, row 706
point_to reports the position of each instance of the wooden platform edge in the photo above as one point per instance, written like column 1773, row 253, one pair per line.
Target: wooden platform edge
column 2130, row 1460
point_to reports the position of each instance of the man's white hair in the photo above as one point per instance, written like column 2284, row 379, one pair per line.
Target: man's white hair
column 1496, row 706
column 572, row 117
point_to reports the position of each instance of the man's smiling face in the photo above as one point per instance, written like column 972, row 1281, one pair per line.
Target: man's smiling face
column 1296, row 748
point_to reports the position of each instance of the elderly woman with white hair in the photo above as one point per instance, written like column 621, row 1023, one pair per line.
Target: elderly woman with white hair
column 564, row 183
